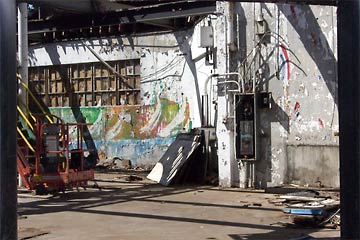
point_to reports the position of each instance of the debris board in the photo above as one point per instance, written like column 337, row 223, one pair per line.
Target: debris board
column 301, row 198
column 174, row 158
column 303, row 211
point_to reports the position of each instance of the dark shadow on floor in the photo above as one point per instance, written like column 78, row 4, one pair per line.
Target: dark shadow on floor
column 282, row 234
column 73, row 201
column 86, row 201
column 179, row 219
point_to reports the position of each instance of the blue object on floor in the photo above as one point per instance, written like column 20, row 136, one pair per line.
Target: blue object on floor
column 303, row 211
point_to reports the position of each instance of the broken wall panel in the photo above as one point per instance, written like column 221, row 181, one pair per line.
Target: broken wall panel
column 87, row 84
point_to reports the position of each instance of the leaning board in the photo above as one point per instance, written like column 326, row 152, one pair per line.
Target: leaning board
column 174, row 158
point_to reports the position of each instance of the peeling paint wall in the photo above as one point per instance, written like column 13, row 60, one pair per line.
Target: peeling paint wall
column 298, row 60
column 129, row 132
column 170, row 88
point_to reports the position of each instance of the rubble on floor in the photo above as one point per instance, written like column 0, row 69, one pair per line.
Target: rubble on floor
column 205, row 212
column 121, row 176
column 118, row 164
column 311, row 208
column 132, row 178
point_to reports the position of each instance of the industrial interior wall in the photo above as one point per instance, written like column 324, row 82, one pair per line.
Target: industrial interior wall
column 170, row 80
column 296, row 60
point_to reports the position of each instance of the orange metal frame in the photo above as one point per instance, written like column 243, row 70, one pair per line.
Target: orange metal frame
column 65, row 176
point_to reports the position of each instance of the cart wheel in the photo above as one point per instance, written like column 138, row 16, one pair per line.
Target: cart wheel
column 40, row 190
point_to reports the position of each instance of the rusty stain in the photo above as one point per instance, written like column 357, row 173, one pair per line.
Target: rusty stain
column 296, row 107
column 314, row 39
column 293, row 11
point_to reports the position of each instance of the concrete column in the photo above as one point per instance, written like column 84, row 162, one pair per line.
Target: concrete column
column 23, row 54
column 8, row 201
column 23, row 45
column 349, row 116
column 224, row 124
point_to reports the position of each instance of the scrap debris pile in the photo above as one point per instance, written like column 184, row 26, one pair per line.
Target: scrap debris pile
column 117, row 164
column 311, row 208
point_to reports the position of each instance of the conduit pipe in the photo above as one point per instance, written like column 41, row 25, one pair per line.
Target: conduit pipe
column 23, row 47
column 205, row 100
column 230, row 27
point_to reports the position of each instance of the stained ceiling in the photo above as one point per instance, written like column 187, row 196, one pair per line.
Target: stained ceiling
column 59, row 20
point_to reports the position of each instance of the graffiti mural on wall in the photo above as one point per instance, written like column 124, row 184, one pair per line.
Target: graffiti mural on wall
column 285, row 64
column 132, row 132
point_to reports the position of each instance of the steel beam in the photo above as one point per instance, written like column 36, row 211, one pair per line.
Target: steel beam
column 8, row 92
column 349, row 116
column 122, row 17
column 307, row 2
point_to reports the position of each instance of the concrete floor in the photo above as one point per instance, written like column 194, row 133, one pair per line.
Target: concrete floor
column 144, row 210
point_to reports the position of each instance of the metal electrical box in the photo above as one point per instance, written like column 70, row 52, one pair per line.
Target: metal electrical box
column 245, row 134
column 206, row 36
column 264, row 100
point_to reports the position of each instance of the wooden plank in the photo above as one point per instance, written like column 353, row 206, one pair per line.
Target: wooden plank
column 303, row 211
column 113, row 99
column 301, row 198
column 88, row 99
column 53, row 101
column 52, row 87
column 59, row 87
column 82, row 85
column 65, row 101
column 59, row 101
column 174, row 158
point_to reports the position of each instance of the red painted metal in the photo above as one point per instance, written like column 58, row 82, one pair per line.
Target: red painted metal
column 67, row 173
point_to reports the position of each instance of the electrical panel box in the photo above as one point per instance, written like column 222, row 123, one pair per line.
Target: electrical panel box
column 245, row 134
column 206, row 36
column 264, row 99
column 261, row 26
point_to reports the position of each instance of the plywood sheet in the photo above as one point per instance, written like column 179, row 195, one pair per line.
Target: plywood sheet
column 174, row 158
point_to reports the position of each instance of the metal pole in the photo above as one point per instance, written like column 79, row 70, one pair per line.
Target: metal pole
column 23, row 45
column 349, row 116
column 8, row 92
column 23, row 55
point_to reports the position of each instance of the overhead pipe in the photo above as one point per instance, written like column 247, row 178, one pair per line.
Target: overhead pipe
column 223, row 75
column 205, row 100
column 230, row 27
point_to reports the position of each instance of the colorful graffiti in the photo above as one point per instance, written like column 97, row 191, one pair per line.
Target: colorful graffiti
column 296, row 113
column 284, row 75
column 131, row 132
column 285, row 64
column 321, row 123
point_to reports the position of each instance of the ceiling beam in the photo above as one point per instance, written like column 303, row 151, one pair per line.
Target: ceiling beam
column 65, row 22
column 307, row 2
